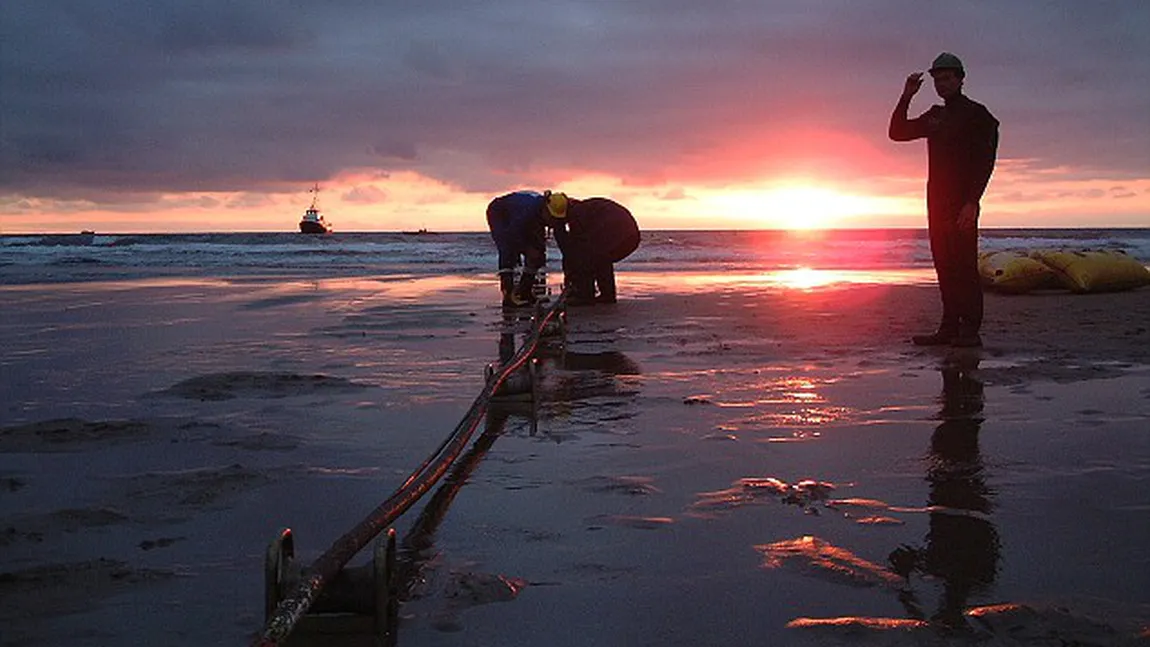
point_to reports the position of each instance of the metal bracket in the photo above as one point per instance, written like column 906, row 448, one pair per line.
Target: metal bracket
column 362, row 600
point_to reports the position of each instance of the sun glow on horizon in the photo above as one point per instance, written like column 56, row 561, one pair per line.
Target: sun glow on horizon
column 798, row 206
column 1020, row 195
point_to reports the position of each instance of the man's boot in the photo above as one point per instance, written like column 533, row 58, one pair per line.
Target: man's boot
column 605, row 277
column 507, row 287
column 581, row 292
column 524, row 294
column 944, row 336
column 967, row 337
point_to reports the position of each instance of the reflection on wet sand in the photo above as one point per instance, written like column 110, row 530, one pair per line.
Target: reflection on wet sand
column 608, row 362
column 758, row 490
column 824, row 560
column 577, row 377
column 961, row 548
column 583, row 376
column 961, row 552
column 1013, row 625
column 962, row 545
column 420, row 573
column 800, row 279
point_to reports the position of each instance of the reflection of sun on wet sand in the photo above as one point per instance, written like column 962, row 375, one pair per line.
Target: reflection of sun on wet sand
column 757, row 490
column 823, row 559
column 725, row 345
column 997, row 625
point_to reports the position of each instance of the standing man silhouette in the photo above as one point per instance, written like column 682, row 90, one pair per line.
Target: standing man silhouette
column 962, row 143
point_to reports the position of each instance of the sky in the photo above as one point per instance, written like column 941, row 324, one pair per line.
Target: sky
column 220, row 115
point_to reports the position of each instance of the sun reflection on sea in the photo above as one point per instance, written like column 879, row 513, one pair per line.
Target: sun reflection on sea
column 804, row 278
column 794, row 389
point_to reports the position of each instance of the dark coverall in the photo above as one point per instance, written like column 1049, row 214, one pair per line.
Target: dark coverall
column 596, row 234
column 962, row 143
column 516, row 226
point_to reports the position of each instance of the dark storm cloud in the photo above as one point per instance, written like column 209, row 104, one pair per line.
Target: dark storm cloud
column 134, row 96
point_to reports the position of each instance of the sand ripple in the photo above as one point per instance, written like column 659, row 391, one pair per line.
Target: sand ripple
column 225, row 386
column 70, row 434
column 193, row 488
column 631, row 485
column 632, row 521
column 68, row 587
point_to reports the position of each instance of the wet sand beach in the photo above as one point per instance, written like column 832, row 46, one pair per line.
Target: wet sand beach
column 714, row 460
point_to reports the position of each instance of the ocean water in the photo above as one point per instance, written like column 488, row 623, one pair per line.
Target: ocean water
column 75, row 257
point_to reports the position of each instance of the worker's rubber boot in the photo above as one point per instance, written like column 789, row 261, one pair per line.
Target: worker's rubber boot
column 507, row 287
column 967, row 337
column 524, row 294
column 944, row 336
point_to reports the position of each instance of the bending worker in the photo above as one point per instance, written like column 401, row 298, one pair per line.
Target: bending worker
column 593, row 234
column 962, row 143
column 516, row 222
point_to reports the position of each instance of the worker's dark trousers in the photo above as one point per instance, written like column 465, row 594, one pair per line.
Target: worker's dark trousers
column 587, row 265
column 955, row 252
column 604, row 277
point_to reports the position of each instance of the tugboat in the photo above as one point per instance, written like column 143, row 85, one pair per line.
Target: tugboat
column 312, row 221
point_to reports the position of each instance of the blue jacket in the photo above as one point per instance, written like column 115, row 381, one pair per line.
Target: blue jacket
column 516, row 225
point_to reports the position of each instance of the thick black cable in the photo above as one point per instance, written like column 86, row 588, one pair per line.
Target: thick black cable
column 293, row 607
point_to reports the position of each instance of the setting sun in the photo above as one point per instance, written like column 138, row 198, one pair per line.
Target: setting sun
column 798, row 206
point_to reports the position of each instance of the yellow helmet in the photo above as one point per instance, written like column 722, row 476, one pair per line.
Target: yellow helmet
column 556, row 204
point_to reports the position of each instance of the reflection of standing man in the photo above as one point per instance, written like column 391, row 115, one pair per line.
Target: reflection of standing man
column 962, row 546
column 962, row 143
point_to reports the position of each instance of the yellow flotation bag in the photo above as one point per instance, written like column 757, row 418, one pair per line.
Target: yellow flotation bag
column 1015, row 272
column 1095, row 270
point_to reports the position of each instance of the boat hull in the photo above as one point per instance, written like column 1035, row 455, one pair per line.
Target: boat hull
column 306, row 227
